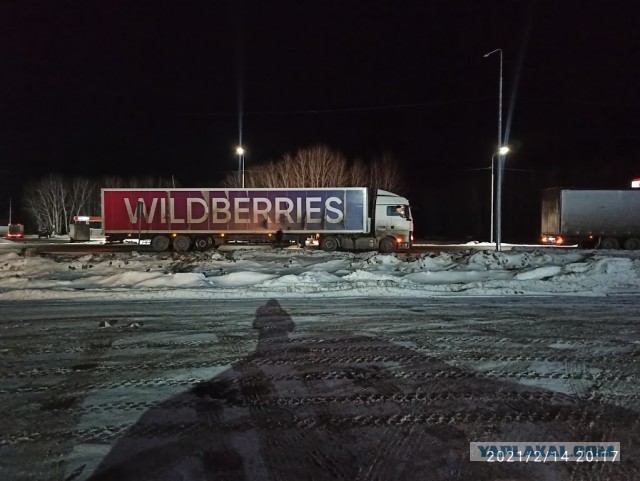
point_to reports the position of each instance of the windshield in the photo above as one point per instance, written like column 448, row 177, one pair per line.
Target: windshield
column 407, row 211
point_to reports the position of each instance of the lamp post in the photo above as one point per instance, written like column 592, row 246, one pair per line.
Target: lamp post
column 240, row 153
column 499, row 50
column 504, row 150
column 493, row 197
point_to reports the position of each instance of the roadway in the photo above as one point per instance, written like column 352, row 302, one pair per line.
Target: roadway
column 32, row 245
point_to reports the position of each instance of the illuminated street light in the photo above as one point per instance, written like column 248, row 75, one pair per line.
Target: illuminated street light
column 502, row 150
column 240, row 153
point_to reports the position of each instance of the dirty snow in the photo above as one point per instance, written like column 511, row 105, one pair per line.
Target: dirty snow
column 263, row 273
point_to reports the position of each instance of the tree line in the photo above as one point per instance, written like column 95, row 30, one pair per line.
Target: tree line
column 53, row 201
column 321, row 166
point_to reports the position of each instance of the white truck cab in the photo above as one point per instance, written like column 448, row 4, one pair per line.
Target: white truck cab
column 393, row 221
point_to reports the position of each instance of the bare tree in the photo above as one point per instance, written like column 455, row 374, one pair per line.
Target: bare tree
column 317, row 166
column 320, row 166
column 233, row 180
column 45, row 202
column 78, row 195
column 53, row 201
column 384, row 173
column 359, row 174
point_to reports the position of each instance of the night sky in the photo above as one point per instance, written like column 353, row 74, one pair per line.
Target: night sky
column 154, row 88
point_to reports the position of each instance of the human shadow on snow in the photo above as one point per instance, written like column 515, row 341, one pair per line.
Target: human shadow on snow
column 340, row 406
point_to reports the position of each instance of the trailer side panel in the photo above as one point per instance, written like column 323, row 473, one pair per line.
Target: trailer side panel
column 600, row 212
column 234, row 210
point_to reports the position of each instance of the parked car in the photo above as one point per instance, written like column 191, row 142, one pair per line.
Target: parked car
column 45, row 232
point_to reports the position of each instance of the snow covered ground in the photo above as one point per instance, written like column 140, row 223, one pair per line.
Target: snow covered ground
column 327, row 389
column 314, row 365
column 286, row 273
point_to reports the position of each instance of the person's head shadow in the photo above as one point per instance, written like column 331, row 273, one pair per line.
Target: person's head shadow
column 272, row 321
column 335, row 405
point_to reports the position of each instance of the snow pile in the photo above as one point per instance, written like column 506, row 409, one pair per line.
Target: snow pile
column 260, row 273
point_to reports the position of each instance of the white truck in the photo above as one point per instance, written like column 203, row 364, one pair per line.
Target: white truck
column 345, row 218
column 606, row 219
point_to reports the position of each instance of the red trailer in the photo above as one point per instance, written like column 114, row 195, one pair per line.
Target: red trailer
column 201, row 218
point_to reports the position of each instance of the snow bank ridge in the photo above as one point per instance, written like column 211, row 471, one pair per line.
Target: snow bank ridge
column 289, row 272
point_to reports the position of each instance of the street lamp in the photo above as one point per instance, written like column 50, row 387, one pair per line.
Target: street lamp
column 493, row 197
column 504, row 150
column 240, row 152
column 500, row 147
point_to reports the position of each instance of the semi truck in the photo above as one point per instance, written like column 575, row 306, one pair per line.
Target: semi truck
column 340, row 218
column 606, row 219
column 15, row 232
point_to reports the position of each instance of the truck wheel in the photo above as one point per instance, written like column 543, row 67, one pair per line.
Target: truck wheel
column 181, row 243
column 329, row 244
column 388, row 245
column 632, row 244
column 160, row 243
column 201, row 243
column 609, row 243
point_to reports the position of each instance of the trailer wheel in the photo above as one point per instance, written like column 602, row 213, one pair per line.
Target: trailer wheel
column 181, row 243
column 160, row 243
column 388, row 245
column 202, row 243
column 329, row 244
column 609, row 243
column 632, row 244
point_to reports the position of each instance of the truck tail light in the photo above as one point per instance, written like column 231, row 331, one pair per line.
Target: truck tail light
column 551, row 239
